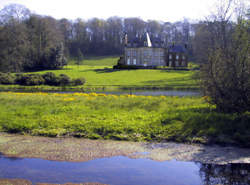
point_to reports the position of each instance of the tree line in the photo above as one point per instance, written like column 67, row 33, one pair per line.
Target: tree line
column 33, row 42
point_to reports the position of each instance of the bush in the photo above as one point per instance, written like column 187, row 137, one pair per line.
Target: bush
column 78, row 81
column 122, row 66
column 64, row 80
column 50, row 79
column 6, row 78
column 29, row 79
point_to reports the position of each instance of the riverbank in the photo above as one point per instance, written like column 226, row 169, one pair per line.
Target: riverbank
column 121, row 117
column 74, row 149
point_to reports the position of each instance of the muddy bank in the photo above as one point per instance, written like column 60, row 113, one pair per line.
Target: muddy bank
column 26, row 182
column 73, row 149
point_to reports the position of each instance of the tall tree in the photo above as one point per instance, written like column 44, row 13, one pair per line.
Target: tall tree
column 225, row 73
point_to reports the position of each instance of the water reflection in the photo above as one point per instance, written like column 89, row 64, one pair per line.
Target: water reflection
column 231, row 174
column 124, row 171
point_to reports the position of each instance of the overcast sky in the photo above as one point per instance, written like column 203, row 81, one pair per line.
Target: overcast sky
column 163, row 10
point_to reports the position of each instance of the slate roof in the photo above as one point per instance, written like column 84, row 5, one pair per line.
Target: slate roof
column 177, row 49
column 145, row 41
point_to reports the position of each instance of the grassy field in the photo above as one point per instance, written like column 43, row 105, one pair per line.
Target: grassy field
column 98, row 73
column 125, row 117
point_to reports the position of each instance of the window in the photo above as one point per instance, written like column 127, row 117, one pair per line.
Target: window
column 170, row 56
column 161, row 54
column 177, row 64
column 145, row 53
column 128, row 61
column 183, row 57
column 134, row 61
column 128, row 53
column 134, row 53
column 177, row 57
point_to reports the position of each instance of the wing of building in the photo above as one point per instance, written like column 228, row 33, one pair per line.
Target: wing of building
column 153, row 52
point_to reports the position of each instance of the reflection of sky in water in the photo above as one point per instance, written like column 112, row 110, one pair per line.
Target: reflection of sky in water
column 115, row 170
column 151, row 93
column 124, row 171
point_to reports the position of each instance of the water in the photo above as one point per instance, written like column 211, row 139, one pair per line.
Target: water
column 158, row 93
column 148, row 93
column 124, row 171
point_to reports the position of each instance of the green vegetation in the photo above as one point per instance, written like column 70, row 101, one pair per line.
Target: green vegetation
column 98, row 73
column 125, row 117
column 48, row 78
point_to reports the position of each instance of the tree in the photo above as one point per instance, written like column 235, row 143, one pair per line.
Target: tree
column 15, row 12
column 79, row 58
column 225, row 73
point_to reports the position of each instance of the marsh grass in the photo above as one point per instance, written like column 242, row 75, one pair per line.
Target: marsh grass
column 124, row 117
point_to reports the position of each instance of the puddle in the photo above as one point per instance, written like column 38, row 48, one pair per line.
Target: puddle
column 122, row 170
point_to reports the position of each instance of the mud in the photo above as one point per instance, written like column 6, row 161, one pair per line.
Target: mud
column 74, row 149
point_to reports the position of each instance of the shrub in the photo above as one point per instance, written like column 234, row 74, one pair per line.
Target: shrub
column 78, row 81
column 6, row 78
column 64, row 80
column 50, row 79
column 122, row 66
column 29, row 79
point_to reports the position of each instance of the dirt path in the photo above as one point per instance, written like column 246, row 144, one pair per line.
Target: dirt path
column 74, row 149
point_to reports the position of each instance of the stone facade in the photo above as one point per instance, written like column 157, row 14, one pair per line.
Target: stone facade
column 145, row 56
column 146, row 53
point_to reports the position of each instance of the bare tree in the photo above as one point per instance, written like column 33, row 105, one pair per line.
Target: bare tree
column 225, row 74
column 15, row 12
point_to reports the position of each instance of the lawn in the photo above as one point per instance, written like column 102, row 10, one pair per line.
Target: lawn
column 124, row 117
column 99, row 72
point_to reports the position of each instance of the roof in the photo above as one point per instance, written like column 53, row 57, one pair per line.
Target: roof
column 145, row 41
column 177, row 49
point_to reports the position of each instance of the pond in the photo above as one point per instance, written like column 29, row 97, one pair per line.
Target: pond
column 122, row 170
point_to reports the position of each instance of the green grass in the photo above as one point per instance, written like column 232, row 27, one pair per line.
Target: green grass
column 99, row 72
column 98, row 61
column 137, row 118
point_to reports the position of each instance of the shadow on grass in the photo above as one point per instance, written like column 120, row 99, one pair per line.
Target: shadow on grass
column 105, row 70
column 206, row 125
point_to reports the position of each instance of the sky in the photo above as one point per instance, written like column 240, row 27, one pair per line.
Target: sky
column 162, row 10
